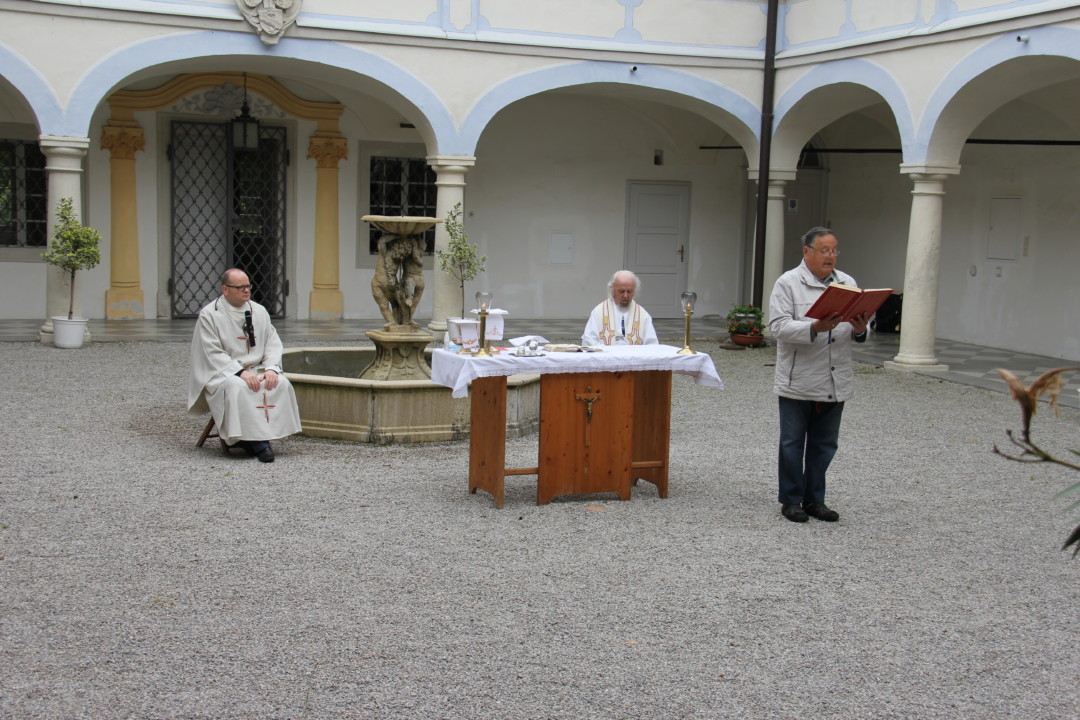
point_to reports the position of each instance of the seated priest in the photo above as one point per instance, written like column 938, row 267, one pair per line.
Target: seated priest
column 236, row 371
column 619, row 320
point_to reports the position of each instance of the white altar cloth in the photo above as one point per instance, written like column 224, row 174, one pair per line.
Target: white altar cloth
column 457, row 371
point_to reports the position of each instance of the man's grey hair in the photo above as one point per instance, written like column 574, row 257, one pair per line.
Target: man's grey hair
column 614, row 277
column 813, row 233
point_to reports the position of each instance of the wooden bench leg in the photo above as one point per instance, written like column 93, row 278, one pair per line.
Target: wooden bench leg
column 206, row 432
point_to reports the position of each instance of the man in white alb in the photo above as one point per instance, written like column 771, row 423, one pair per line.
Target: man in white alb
column 236, row 371
column 619, row 320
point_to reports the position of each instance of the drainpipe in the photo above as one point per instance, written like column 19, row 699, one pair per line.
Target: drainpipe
column 764, row 157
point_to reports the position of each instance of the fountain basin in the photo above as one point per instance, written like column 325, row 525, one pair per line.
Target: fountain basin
column 335, row 403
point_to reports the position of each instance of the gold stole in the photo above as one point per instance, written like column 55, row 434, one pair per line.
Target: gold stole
column 607, row 329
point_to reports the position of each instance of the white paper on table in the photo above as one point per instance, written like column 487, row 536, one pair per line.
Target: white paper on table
column 524, row 340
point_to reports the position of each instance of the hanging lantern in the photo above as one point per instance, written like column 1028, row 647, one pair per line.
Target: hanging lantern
column 245, row 128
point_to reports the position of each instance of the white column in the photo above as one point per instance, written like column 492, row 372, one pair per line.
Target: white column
column 451, row 169
column 774, row 230
column 63, row 167
column 774, row 242
column 918, row 326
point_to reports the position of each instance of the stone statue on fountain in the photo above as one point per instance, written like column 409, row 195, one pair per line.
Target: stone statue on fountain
column 397, row 285
column 398, row 282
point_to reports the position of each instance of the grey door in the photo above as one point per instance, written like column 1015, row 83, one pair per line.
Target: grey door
column 658, row 243
column 228, row 210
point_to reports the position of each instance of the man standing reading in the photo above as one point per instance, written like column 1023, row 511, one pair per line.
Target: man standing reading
column 619, row 320
column 814, row 376
column 236, row 371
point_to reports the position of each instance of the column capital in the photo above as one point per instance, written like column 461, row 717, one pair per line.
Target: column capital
column 65, row 154
column 327, row 150
column 63, row 143
column 929, row 169
column 780, row 175
column 122, row 141
column 451, row 163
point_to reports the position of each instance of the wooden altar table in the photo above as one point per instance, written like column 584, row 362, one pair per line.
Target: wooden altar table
column 605, row 417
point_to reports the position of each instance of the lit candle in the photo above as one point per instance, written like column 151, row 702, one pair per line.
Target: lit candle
column 688, row 300
column 483, row 300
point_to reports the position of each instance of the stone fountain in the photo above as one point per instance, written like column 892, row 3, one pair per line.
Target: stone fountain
column 397, row 285
column 393, row 400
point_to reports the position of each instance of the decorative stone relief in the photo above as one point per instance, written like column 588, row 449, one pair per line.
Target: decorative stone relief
column 271, row 18
column 226, row 101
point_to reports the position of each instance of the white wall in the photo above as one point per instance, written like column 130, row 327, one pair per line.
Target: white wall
column 1030, row 303
column 23, row 295
column 560, row 163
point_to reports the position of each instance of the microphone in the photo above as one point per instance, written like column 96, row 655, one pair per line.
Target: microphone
column 249, row 328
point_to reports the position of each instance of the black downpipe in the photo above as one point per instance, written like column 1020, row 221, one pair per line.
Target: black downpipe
column 764, row 158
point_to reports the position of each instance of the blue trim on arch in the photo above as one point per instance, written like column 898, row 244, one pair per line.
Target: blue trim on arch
column 103, row 78
column 583, row 73
column 857, row 72
column 1045, row 41
column 34, row 88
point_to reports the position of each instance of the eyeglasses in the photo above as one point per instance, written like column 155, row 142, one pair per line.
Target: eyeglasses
column 826, row 253
column 241, row 288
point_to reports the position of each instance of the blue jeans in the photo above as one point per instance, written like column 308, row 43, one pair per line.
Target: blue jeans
column 809, row 432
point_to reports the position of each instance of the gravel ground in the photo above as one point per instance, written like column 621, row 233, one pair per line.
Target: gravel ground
column 141, row 577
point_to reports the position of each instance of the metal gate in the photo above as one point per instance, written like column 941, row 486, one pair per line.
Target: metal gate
column 228, row 210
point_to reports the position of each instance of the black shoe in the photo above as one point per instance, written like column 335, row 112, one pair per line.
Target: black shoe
column 794, row 513
column 265, row 455
column 821, row 511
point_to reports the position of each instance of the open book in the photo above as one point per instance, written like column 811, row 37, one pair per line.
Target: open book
column 847, row 300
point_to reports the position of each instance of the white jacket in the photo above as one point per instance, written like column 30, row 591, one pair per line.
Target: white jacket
column 809, row 368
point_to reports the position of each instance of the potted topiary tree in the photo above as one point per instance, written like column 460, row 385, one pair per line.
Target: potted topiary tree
column 461, row 259
column 74, row 248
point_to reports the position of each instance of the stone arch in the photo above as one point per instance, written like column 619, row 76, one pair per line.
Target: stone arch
column 729, row 110
column 27, row 82
column 827, row 93
column 330, row 62
column 996, row 73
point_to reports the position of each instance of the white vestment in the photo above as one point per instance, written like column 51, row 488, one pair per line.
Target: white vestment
column 611, row 325
column 219, row 350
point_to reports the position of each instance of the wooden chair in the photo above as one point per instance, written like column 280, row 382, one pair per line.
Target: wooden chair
column 208, row 432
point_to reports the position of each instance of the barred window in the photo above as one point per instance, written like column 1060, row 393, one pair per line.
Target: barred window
column 24, row 214
column 402, row 186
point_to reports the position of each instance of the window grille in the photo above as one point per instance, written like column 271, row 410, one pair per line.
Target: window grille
column 402, row 186
column 228, row 211
column 24, row 210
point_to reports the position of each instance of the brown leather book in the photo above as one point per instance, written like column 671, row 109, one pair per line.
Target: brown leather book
column 848, row 300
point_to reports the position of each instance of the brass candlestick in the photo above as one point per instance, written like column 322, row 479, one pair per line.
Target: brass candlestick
column 481, row 343
column 688, row 300
column 483, row 300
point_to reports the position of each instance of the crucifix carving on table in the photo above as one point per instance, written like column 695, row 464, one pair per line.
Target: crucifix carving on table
column 588, row 397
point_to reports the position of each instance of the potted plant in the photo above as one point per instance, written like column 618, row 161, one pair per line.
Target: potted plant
column 74, row 248
column 745, row 325
column 461, row 259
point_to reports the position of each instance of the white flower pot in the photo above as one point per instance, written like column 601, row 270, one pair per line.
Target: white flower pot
column 68, row 333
